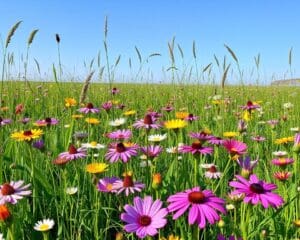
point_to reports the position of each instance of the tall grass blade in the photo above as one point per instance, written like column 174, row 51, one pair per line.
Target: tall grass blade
column 181, row 51
column 37, row 66
column 206, row 68
column 194, row 49
column 217, row 61
column 139, row 54
column 224, row 76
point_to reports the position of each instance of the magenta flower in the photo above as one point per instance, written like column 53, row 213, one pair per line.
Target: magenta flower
column 191, row 117
column 282, row 161
column 106, row 184
column 256, row 191
column 152, row 151
column 216, row 141
column 222, row 237
column 250, row 106
column 107, row 106
column 47, row 122
column 258, row 138
column 118, row 151
column 127, row 185
column 144, row 217
column 73, row 153
column 195, row 148
column 167, row 108
column 148, row 122
column 120, row 134
column 13, row 191
column 115, row 91
column 204, row 206
column 235, row 147
column 201, row 136
column 89, row 108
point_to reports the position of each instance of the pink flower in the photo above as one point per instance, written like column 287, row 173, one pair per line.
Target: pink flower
column 73, row 153
column 235, row 147
column 148, row 122
column 106, row 184
column 204, row 206
column 196, row 148
column 118, row 151
column 127, row 185
column 256, row 191
column 89, row 108
column 144, row 217
column 120, row 134
column 13, row 191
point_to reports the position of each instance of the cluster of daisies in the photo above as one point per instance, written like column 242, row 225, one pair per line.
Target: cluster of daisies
column 145, row 216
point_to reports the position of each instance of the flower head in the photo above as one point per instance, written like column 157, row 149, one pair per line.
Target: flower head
column 157, row 137
column 96, row 167
column 4, row 121
column 27, row 135
column 4, row 212
column 144, row 217
column 44, row 225
column 46, row 122
column 152, row 151
column 148, row 122
column 92, row 145
column 120, row 134
column 106, row 184
column 211, row 171
column 118, row 151
column 127, row 185
column 70, row 102
column 73, row 153
column 235, row 148
column 175, row 124
column 89, row 108
column 257, row 191
column 13, row 191
column 247, row 165
column 203, row 205
column 117, row 122
column 282, row 176
column 196, row 148
column 282, row 161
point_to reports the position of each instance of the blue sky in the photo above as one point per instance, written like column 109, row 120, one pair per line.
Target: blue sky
column 268, row 27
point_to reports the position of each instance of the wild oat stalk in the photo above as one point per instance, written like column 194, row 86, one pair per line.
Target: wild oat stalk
column 236, row 61
column 8, row 39
column 57, row 38
column 85, row 87
column 29, row 42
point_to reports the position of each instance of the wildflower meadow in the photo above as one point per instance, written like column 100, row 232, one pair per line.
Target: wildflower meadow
column 99, row 159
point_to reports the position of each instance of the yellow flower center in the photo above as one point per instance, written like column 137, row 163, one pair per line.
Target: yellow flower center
column 44, row 227
column 93, row 143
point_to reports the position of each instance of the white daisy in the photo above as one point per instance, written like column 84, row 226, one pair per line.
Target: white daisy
column 71, row 190
column 1, row 236
column 280, row 154
column 44, row 225
column 295, row 129
column 288, row 105
column 157, row 137
column 93, row 145
column 117, row 122
column 172, row 150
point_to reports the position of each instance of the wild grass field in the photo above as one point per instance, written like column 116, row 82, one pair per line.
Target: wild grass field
column 156, row 161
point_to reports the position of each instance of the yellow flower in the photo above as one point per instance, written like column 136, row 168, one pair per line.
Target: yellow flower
column 297, row 223
column 216, row 102
column 246, row 116
column 92, row 120
column 70, row 102
column 77, row 116
column 171, row 237
column 284, row 140
column 230, row 134
column 181, row 115
column 27, row 135
column 129, row 113
column 96, row 167
column 175, row 124
column 4, row 109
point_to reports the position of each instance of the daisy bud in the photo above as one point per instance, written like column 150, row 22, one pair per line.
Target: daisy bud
column 221, row 223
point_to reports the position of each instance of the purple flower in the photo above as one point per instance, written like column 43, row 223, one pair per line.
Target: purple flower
column 250, row 106
column 256, row 191
column 13, row 191
column 235, row 147
column 167, row 108
column 222, row 237
column 106, row 184
column 148, row 122
column 4, row 121
column 204, row 206
column 195, row 148
column 152, row 151
column 73, row 153
column 144, row 217
column 247, row 165
column 120, row 134
column 127, row 185
column 107, row 106
column 115, row 91
column 118, row 151
column 89, row 108
column 38, row 144
column 258, row 138
column 216, row 141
